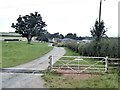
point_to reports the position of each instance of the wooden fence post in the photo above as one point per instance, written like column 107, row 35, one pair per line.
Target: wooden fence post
column 50, row 63
column 106, row 64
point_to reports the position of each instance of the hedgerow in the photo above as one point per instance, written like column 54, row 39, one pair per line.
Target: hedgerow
column 107, row 47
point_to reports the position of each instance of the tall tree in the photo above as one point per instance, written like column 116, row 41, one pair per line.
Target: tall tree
column 98, row 31
column 29, row 25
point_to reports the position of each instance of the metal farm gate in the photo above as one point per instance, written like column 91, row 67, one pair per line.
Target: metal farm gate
column 79, row 64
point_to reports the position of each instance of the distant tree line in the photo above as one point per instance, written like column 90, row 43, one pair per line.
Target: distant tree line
column 33, row 25
column 45, row 37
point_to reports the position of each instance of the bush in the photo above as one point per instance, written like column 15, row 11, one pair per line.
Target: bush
column 72, row 45
column 107, row 47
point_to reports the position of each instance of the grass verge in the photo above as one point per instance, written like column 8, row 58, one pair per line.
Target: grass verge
column 16, row 53
column 70, row 52
column 56, row 80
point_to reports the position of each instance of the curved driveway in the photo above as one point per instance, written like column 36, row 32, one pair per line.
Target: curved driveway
column 21, row 80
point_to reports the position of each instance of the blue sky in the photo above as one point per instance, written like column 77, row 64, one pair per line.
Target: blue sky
column 64, row 16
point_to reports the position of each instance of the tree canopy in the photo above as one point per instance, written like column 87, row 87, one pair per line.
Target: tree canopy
column 29, row 25
column 98, row 31
column 72, row 36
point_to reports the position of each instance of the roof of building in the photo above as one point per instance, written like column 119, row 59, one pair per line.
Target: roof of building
column 9, row 34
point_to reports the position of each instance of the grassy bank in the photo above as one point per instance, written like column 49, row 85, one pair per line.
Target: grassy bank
column 57, row 80
column 69, row 52
column 16, row 53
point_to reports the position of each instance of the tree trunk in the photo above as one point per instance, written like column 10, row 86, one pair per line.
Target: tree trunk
column 98, row 47
column 29, row 38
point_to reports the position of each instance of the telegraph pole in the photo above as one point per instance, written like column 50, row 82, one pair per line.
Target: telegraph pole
column 100, row 11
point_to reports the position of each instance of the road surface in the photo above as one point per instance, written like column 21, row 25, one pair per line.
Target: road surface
column 24, row 80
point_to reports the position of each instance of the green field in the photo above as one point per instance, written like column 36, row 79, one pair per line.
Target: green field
column 16, row 53
column 103, row 80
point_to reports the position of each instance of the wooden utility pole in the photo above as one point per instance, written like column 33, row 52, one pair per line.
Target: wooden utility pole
column 100, row 11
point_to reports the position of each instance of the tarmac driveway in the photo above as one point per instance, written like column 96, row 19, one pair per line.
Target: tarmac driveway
column 25, row 80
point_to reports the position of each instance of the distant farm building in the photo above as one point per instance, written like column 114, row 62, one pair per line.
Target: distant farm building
column 11, row 36
column 86, row 40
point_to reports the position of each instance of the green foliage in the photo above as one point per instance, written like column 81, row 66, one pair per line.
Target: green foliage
column 108, row 47
column 72, row 45
column 98, row 31
column 29, row 25
column 16, row 53
column 42, row 37
column 72, row 36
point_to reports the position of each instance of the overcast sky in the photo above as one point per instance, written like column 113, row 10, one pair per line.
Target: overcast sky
column 63, row 16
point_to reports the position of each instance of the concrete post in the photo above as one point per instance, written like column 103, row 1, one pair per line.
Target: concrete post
column 106, row 64
column 50, row 63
